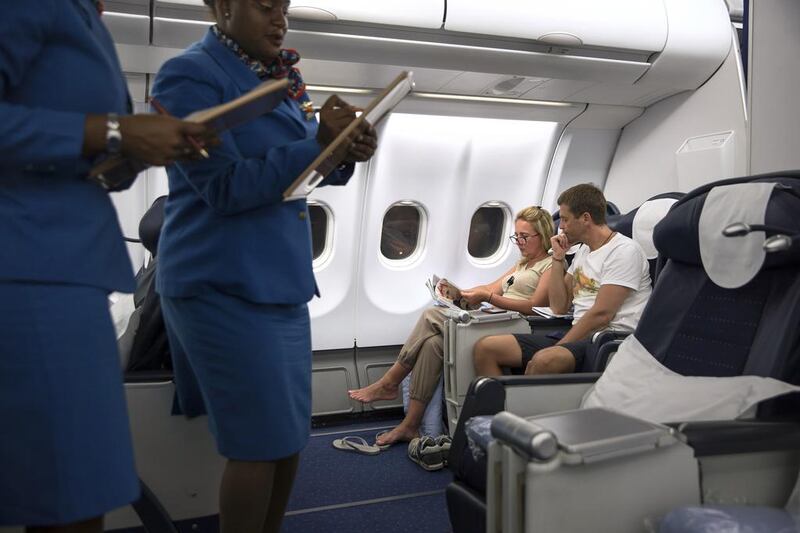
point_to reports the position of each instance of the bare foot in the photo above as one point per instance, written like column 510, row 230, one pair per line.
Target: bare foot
column 377, row 391
column 401, row 433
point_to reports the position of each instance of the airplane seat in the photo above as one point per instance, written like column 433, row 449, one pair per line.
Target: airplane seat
column 637, row 224
column 461, row 336
column 149, row 356
column 611, row 211
column 752, row 300
column 756, row 518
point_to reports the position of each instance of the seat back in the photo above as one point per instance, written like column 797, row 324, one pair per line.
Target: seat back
column 638, row 224
column 150, row 348
column 150, row 225
column 695, row 327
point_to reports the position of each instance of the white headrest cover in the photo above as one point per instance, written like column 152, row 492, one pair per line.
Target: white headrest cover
column 647, row 216
column 732, row 262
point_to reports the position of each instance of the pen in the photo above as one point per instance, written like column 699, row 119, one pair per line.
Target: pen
column 196, row 145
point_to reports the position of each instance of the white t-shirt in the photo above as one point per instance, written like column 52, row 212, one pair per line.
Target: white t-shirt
column 618, row 262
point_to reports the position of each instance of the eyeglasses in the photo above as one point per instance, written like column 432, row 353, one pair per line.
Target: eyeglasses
column 521, row 238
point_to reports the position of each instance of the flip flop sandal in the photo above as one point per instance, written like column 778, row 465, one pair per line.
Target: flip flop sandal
column 357, row 445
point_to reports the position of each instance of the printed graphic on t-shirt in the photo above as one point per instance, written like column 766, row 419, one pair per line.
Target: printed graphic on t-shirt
column 584, row 285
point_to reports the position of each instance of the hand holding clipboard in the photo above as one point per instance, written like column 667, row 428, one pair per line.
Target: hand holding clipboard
column 337, row 151
column 114, row 172
column 335, row 116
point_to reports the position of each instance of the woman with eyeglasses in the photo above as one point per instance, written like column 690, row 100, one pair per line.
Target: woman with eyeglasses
column 519, row 289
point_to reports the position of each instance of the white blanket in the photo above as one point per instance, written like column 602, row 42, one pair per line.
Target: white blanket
column 636, row 384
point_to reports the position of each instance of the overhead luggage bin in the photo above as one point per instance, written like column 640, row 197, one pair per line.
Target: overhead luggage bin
column 636, row 25
column 410, row 13
column 681, row 43
column 698, row 42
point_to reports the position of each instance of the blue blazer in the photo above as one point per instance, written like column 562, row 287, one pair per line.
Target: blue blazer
column 57, row 64
column 225, row 224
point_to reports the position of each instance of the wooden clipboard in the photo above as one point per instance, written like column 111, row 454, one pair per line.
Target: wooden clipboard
column 335, row 152
column 115, row 171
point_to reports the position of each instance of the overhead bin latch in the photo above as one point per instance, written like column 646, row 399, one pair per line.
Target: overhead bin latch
column 311, row 13
column 561, row 38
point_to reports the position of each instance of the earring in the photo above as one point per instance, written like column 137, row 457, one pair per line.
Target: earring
column 227, row 14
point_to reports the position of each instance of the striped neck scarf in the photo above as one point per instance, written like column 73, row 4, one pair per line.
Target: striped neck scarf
column 280, row 68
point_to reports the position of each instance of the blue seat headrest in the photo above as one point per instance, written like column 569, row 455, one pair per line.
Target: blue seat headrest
column 624, row 223
column 150, row 225
column 612, row 214
column 676, row 236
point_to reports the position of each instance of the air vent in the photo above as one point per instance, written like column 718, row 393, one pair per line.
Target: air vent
column 513, row 87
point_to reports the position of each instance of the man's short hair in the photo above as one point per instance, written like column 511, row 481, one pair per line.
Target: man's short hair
column 585, row 198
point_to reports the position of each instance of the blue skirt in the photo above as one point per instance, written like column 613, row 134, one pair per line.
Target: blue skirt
column 65, row 450
column 248, row 366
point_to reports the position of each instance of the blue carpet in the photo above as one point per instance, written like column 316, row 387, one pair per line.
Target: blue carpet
column 328, row 476
column 422, row 514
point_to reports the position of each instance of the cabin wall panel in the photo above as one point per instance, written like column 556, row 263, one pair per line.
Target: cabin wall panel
column 582, row 156
column 333, row 314
column 646, row 163
column 774, row 76
column 450, row 166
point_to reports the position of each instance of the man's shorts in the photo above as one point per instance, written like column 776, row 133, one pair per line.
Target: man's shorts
column 530, row 344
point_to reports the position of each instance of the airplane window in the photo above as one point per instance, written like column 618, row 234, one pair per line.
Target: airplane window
column 319, row 229
column 401, row 229
column 486, row 232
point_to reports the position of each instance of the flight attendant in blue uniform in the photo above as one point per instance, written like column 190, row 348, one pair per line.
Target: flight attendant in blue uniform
column 65, row 449
column 234, row 269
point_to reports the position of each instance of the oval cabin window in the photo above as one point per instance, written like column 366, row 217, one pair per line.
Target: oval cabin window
column 486, row 232
column 401, row 229
column 319, row 229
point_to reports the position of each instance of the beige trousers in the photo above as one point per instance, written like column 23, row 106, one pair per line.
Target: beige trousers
column 423, row 353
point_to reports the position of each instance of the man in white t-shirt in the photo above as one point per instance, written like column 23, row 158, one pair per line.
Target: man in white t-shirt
column 608, row 284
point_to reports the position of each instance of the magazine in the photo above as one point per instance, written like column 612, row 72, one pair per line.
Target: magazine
column 447, row 294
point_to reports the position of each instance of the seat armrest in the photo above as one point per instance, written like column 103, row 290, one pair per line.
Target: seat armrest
column 487, row 396
column 597, row 358
column 604, row 336
column 729, row 437
column 547, row 379
column 548, row 323
column 149, row 376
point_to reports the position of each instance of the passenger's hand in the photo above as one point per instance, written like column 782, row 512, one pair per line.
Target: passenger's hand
column 364, row 144
column 476, row 296
column 334, row 116
column 560, row 244
column 162, row 140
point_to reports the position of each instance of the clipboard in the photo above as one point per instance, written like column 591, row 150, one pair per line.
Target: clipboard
column 118, row 170
column 335, row 152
